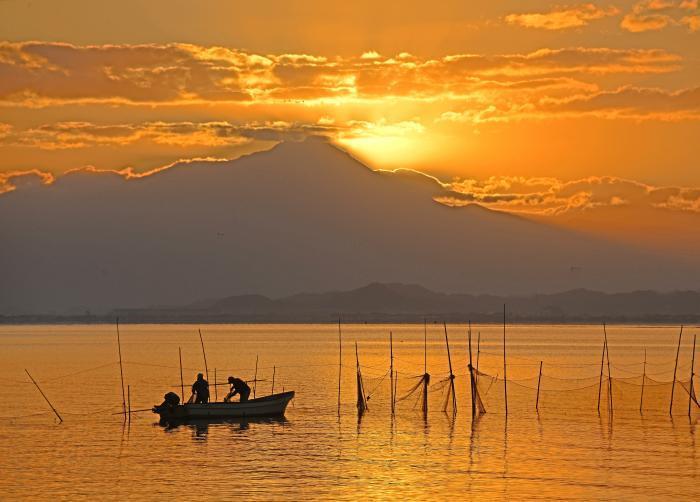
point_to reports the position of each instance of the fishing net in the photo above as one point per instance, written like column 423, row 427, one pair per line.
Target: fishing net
column 571, row 385
column 361, row 396
column 538, row 393
column 416, row 394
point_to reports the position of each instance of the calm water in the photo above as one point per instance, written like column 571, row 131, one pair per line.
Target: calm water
column 566, row 451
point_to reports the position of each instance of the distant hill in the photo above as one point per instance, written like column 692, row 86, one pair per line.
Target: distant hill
column 300, row 217
column 378, row 302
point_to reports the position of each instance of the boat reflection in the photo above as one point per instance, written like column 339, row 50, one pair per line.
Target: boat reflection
column 200, row 426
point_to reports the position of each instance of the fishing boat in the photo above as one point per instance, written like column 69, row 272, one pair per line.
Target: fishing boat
column 273, row 405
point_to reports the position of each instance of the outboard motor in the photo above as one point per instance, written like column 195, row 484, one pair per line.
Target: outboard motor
column 167, row 407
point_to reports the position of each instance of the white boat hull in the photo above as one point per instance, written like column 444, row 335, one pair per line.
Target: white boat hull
column 268, row 406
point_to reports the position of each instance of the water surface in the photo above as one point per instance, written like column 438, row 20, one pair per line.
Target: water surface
column 565, row 451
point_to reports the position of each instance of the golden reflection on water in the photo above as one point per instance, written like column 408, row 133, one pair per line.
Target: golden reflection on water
column 562, row 452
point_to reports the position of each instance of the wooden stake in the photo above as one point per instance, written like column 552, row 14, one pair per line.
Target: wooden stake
column 539, row 379
column 692, row 374
column 43, row 395
column 644, row 377
column 121, row 369
column 340, row 362
column 452, row 376
column 600, row 381
column 391, row 371
column 255, row 378
column 206, row 368
column 675, row 369
column 505, row 377
column 273, row 379
column 607, row 356
column 182, row 381
column 216, row 389
column 128, row 398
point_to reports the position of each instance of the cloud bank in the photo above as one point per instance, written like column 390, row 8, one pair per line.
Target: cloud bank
column 552, row 197
column 49, row 74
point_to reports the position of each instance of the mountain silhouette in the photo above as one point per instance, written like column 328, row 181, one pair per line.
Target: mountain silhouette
column 411, row 303
column 303, row 216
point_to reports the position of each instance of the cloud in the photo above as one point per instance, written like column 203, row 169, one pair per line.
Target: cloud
column 636, row 103
column 41, row 74
column 71, row 135
column 654, row 15
column 9, row 181
column 182, row 135
column 553, row 197
column 370, row 55
column 561, row 18
column 624, row 103
column 692, row 22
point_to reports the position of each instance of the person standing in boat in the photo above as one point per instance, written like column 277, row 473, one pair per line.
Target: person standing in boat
column 239, row 387
column 200, row 389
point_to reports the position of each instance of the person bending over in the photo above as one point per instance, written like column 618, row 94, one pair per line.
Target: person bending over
column 239, row 387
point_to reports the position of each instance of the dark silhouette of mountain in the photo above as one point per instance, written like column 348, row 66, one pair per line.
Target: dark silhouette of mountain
column 300, row 217
column 394, row 302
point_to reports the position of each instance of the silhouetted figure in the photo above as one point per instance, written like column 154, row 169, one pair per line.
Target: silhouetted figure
column 239, row 387
column 170, row 401
column 201, row 389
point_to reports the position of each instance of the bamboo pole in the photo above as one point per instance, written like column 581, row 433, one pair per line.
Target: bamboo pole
column 206, row 368
column 128, row 397
column 471, row 371
column 396, row 383
column 644, row 377
column 478, row 353
column 505, row 377
column 391, row 371
column 361, row 398
column 273, row 379
column 426, row 376
column 340, row 362
column 255, row 378
column 425, row 345
column 692, row 374
column 539, row 379
column 600, row 381
column 182, row 381
column 607, row 356
column 426, row 382
column 43, row 395
column 360, row 392
column 452, row 376
column 135, row 411
column 675, row 369
column 121, row 369
column 216, row 389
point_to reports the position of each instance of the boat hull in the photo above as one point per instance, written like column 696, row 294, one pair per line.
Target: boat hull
column 268, row 406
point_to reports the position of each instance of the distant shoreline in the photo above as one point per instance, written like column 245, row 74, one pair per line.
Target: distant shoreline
column 394, row 303
column 356, row 320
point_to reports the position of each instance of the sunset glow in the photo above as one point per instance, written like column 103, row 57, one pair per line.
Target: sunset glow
column 349, row 250
column 564, row 112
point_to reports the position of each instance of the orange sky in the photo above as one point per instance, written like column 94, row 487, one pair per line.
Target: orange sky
column 580, row 114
